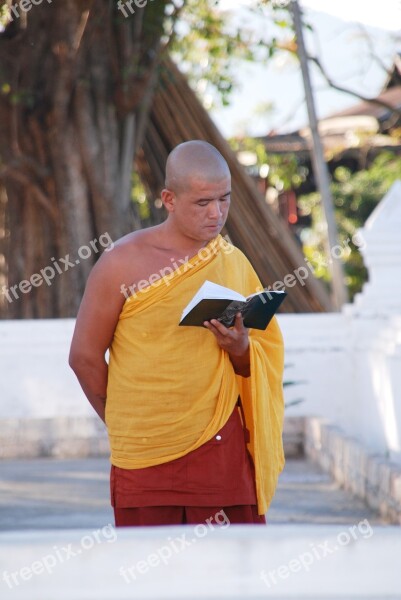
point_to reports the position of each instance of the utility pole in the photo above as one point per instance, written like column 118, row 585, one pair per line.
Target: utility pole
column 339, row 290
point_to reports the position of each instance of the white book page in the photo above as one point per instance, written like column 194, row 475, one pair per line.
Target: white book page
column 212, row 291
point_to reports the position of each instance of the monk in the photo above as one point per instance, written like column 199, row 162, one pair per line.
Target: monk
column 194, row 414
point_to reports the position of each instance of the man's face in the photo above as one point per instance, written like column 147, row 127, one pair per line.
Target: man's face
column 200, row 211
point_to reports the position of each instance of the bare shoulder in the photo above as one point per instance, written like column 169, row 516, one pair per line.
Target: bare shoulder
column 105, row 291
column 103, row 298
column 125, row 251
column 123, row 263
column 131, row 244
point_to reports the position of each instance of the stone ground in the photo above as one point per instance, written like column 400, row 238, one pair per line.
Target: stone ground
column 63, row 494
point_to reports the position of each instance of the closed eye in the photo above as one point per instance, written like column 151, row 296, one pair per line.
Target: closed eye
column 205, row 202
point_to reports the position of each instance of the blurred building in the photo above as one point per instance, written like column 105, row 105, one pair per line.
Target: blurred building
column 352, row 138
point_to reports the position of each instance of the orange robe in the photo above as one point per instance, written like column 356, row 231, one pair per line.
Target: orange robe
column 171, row 389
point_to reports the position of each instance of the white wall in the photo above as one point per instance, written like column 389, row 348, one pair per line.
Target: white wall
column 352, row 373
column 35, row 379
column 352, row 360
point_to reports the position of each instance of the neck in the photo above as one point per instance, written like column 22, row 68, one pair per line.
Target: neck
column 176, row 239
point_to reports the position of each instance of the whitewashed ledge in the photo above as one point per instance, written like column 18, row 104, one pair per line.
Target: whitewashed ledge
column 53, row 437
column 85, row 437
column 369, row 476
column 226, row 563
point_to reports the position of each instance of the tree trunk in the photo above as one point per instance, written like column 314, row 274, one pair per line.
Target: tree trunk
column 75, row 81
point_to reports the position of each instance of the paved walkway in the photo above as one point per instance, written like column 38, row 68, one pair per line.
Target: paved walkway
column 306, row 494
column 64, row 494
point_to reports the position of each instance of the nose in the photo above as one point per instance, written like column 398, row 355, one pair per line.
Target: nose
column 214, row 211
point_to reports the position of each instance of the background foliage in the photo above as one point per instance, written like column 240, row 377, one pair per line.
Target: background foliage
column 355, row 196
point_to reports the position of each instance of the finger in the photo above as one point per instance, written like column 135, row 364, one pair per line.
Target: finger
column 212, row 328
column 222, row 329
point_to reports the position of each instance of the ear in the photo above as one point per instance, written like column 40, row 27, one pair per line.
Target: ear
column 168, row 199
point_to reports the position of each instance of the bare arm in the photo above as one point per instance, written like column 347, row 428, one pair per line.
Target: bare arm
column 96, row 321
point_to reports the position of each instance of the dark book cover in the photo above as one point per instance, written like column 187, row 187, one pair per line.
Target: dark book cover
column 257, row 311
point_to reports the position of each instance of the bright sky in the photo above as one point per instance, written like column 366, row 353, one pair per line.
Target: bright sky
column 340, row 42
column 382, row 14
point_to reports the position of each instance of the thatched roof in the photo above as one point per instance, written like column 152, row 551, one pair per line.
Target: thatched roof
column 177, row 116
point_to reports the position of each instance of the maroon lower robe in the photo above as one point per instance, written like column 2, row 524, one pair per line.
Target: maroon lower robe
column 189, row 490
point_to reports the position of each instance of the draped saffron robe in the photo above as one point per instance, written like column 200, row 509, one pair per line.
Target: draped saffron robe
column 172, row 388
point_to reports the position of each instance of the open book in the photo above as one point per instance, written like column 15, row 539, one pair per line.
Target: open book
column 213, row 301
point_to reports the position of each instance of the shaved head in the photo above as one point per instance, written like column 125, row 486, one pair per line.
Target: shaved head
column 194, row 160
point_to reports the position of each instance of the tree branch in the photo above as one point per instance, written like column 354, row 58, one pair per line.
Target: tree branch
column 9, row 172
column 372, row 54
column 340, row 88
